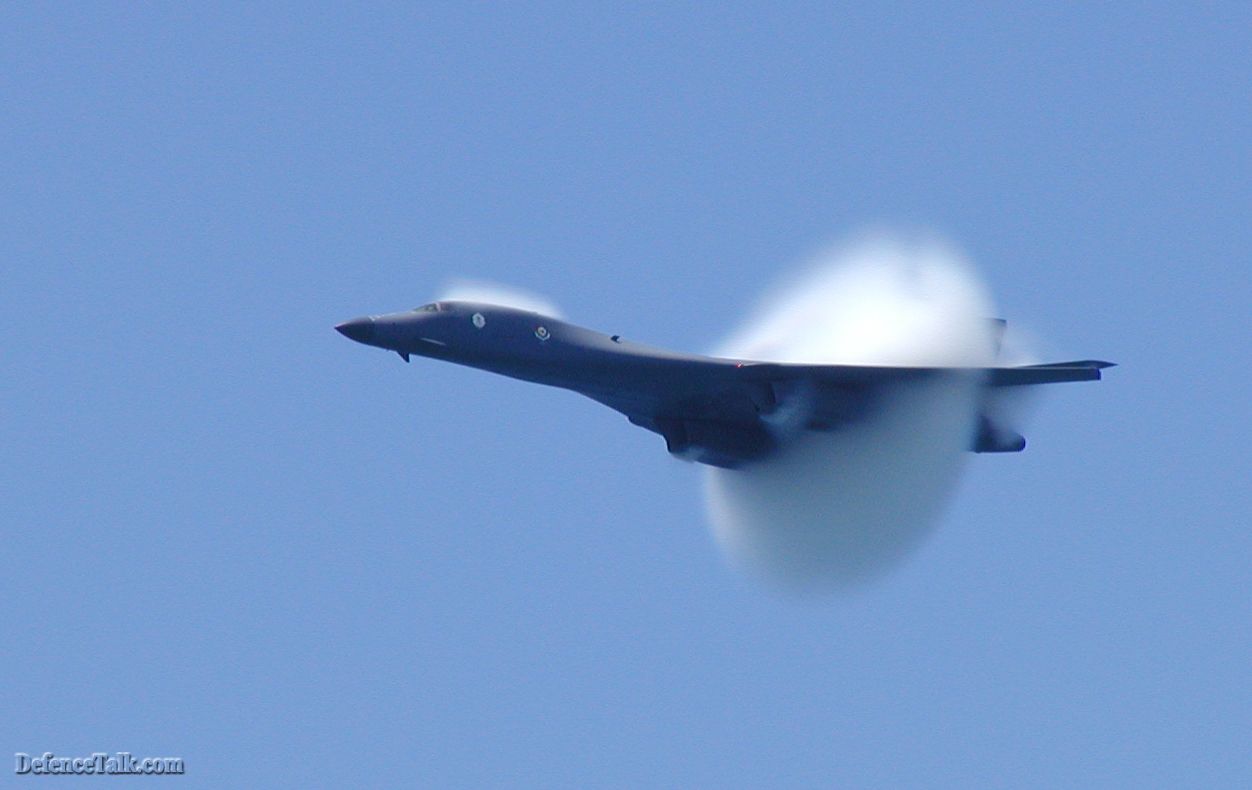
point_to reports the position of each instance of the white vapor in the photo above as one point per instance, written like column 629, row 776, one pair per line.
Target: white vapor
column 495, row 293
column 832, row 510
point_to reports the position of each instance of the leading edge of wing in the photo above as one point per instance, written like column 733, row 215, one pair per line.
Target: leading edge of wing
column 1051, row 373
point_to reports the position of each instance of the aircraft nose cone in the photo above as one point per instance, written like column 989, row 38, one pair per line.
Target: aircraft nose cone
column 359, row 329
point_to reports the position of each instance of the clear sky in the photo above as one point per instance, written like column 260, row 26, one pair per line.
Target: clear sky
column 233, row 536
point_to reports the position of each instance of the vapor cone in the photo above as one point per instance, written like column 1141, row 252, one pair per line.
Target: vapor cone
column 835, row 509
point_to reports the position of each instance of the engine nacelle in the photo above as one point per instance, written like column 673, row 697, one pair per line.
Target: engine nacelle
column 993, row 439
column 727, row 445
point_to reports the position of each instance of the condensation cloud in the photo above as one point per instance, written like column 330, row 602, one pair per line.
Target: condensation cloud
column 495, row 293
column 833, row 510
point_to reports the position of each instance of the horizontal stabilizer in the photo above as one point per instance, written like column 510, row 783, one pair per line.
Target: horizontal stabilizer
column 1052, row 373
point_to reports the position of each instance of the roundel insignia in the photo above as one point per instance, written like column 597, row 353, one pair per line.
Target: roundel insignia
column 479, row 320
column 541, row 332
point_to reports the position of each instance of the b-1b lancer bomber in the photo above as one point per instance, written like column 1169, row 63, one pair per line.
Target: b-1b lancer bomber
column 722, row 412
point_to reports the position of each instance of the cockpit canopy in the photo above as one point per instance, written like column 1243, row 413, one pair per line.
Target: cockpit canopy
column 433, row 307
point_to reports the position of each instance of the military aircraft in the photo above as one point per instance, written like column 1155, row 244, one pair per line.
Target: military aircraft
column 722, row 412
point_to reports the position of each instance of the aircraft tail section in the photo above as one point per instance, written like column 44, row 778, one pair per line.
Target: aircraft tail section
column 1051, row 373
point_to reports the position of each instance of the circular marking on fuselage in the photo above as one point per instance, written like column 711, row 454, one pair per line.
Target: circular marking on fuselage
column 479, row 320
column 542, row 333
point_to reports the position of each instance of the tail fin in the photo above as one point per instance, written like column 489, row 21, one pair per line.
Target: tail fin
column 998, row 326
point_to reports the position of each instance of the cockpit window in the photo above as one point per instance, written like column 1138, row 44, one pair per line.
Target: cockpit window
column 433, row 307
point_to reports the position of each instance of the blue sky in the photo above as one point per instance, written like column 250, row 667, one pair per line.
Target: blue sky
column 235, row 537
